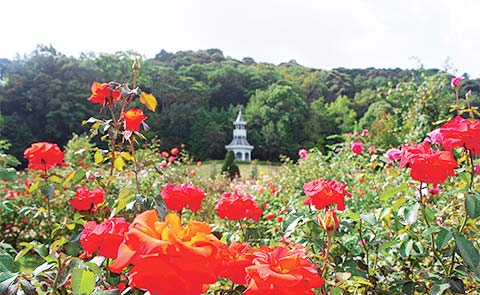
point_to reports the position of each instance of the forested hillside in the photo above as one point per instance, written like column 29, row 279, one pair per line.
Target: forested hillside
column 43, row 97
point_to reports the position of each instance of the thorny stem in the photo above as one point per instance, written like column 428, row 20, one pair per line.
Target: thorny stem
column 114, row 145
column 469, row 154
column 472, row 166
column 432, row 237
column 364, row 246
column 49, row 216
column 327, row 252
column 456, row 102
column 55, row 281
column 135, row 171
column 244, row 234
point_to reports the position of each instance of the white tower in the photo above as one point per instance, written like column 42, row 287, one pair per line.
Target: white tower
column 239, row 145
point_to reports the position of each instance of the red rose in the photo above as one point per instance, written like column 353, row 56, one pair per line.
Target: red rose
column 427, row 165
column 43, row 156
column 325, row 192
column 182, row 195
column 270, row 216
column 174, row 151
column 103, row 94
column 86, row 200
column 237, row 207
column 460, row 132
column 165, row 154
column 235, row 258
column 169, row 258
column 280, row 271
column 133, row 119
column 104, row 238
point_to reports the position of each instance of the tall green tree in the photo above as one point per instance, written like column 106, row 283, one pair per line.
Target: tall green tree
column 276, row 119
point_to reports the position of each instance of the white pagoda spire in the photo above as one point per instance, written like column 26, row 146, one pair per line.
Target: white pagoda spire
column 239, row 144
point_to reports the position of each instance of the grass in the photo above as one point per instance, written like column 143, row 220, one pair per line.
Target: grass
column 247, row 169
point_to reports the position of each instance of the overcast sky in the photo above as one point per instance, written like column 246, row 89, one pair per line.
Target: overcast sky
column 320, row 34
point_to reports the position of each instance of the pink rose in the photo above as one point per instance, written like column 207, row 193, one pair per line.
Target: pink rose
column 365, row 133
column 357, row 147
column 456, row 82
column 393, row 154
column 303, row 153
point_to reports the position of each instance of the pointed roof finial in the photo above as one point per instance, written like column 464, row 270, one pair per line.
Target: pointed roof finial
column 240, row 117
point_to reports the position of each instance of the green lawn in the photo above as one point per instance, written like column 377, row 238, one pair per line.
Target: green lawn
column 247, row 169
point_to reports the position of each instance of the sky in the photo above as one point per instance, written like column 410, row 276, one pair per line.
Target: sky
column 316, row 33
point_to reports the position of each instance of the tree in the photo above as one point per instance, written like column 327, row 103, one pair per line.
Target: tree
column 276, row 118
column 344, row 117
column 229, row 167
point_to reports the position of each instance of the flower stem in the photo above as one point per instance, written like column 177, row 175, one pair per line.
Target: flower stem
column 327, row 252
column 456, row 102
column 244, row 234
column 135, row 171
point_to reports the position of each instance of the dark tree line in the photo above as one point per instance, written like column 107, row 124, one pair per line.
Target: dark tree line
column 287, row 106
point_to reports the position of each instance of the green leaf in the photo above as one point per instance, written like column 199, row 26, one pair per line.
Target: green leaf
column 119, row 164
column 6, row 279
column 7, row 173
column 26, row 248
column 467, row 250
column 444, row 236
column 97, row 157
column 456, row 285
column 124, row 197
column 43, row 267
column 472, row 204
column 11, row 161
column 34, row 186
column 391, row 191
column 388, row 245
column 6, row 263
column 336, row 291
column 411, row 214
column 65, row 274
column 369, row 218
column 291, row 227
column 83, row 282
column 438, row 289
column 406, row 248
column 27, row 287
column 408, row 288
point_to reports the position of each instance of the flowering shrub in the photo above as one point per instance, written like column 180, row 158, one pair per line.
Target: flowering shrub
column 293, row 232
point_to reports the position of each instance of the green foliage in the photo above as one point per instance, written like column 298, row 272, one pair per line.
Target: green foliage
column 229, row 167
column 196, row 89
column 276, row 119
column 79, row 149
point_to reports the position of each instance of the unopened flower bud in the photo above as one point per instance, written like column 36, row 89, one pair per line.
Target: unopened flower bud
column 136, row 65
column 329, row 222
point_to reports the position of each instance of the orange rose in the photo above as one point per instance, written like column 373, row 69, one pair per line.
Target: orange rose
column 169, row 258
column 280, row 271
column 103, row 94
column 133, row 119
